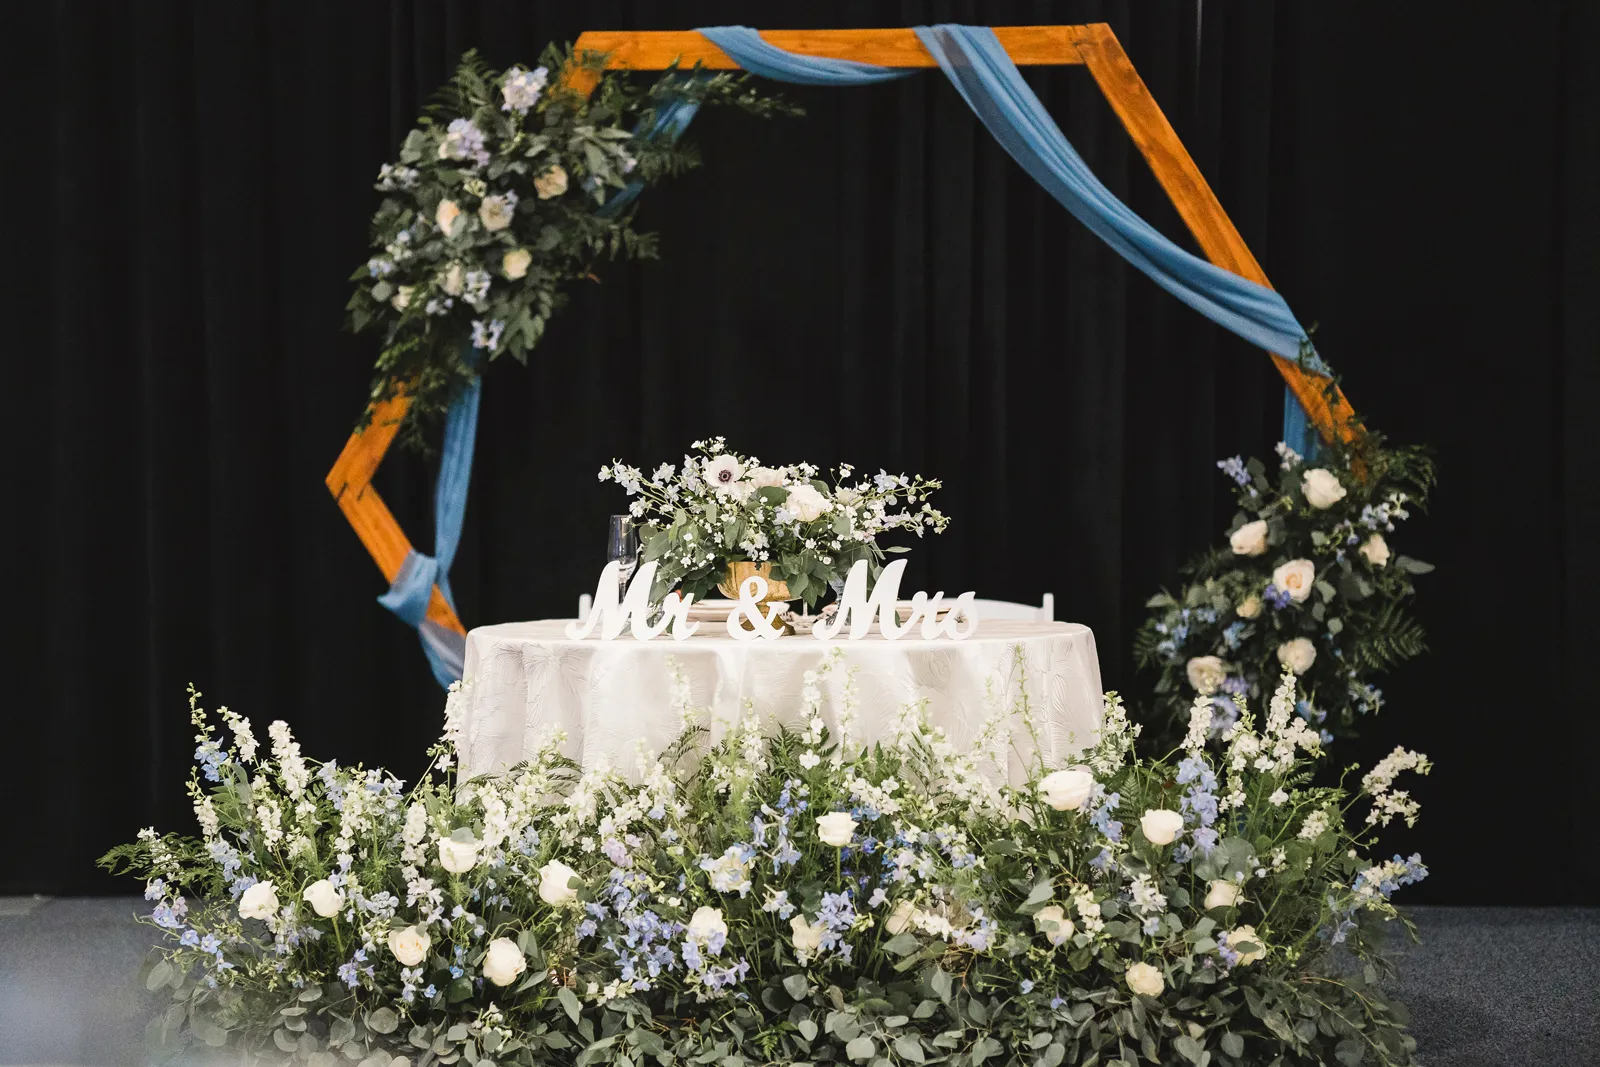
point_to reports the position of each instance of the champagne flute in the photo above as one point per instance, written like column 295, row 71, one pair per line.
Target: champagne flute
column 622, row 546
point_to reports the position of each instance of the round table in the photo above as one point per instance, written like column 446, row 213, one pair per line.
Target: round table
column 524, row 678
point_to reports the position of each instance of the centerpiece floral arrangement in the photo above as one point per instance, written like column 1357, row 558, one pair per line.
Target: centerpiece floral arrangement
column 1308, row 582
column 782, row 897
column 513, row 185
column 791, row 525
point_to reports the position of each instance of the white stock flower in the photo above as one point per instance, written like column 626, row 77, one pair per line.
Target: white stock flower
column 515, row 263
column 807, row 503
column 1051, row 921
column 1161, row 826
column 496, row 211
column 1322, row 488
column 1066, row 790
column 552, row 182
column 503, row 962
column 1145, row 980
column 448, row 216
column 324, row 899
column 1249, row 539
column 554, row 887
column 1249, row 607
column 1206, row 674
column 1247, row 933
column 458, row 857
column 1221, row 893
column 705, row 924
column 1296, row 577
column 836, row 828
column 410, row 946
column 1298, row 655
column 1375, row 551
column 260, row 901
column 900, row 918
column 807, row 936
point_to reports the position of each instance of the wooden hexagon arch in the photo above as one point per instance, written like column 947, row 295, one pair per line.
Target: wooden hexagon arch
column 1093, row 46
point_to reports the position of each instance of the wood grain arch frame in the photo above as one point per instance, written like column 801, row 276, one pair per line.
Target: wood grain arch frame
column 1093, row 46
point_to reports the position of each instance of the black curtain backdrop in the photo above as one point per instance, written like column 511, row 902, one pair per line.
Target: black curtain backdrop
column 190, row 186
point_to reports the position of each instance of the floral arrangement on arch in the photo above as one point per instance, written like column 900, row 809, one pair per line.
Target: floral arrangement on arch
column 783, row 897
column 508, row 190
column 722, row 507
column 1307, row 582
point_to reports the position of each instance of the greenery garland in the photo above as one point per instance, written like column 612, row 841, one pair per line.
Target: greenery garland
column 505, row 193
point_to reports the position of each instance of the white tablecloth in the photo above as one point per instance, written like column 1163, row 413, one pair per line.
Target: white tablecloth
column 609, row 695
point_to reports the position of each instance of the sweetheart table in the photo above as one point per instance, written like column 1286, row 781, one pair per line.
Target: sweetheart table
column 524, row 678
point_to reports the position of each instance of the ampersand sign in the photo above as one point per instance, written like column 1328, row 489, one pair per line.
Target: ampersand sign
column 751, row 590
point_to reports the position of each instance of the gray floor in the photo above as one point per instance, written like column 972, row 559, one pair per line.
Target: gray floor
column 1487, row 987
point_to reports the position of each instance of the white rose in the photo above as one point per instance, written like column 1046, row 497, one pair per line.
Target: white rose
column 495, row 213
column 806, row 502
column 515, row 263
column 1145, row 980
column 900, row 918
column 1321, row 487
column 766, row 477
column 1221, row 893
column 1066, row 790
column 807, row 936
column 705, row 925
column 454, row 279
column 323, row 898
column 402, row 297
column 836, row 828
column 1161, row 826
column 448, row 216
column 552, row 182
column 458, row 857
column 260, row 901
column 1249, row 539
column 1375, row 551
column 503, row 962
column 1247, row 933
column 1298, row 655
column 1297, row 577
column 1052, row 922
column 722, row 473
column 1206, row 674
column 1249, row 608
column 554, row 883
column 410, row 946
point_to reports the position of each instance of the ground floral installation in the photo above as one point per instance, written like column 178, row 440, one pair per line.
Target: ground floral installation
column 1307, row 582
column 508, row 190
column 781, row 897
column 721, row 507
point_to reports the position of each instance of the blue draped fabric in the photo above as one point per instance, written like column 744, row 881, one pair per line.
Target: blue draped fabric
column 977, row 64
column 672, row 118
column 412, row 588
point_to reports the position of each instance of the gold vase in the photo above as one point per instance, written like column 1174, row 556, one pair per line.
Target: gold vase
column 777, row 592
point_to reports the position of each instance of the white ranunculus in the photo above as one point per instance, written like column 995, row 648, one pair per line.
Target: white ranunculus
column 449, row 217
column 1145, row 980
column 555, row 886
column 1206, row 674
column 324, row 899
column 454, row 279
column 1321, row 487
column 1052, row 922
column 900, row 918
column 410, row 946
column 552, row 182
column 1161, row 825
column 1249, row 607
column 705, row 925
column 515, row 263
column 1247, row 933
column 1375, row 551
column 1297, row 578
column 1298, row 655
column 260, row 901
column 1221, row 893
column 806, row 502
column 495, row 212
column 1249, row 539
column 1066, row 790
column 722, row 473
column 807, row 936
column 836, row 828
column 402, row 297
column 503, row 962
column 458, row 857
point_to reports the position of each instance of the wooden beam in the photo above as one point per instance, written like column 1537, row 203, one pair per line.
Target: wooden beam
column 1197, row 205
column 656, row 49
